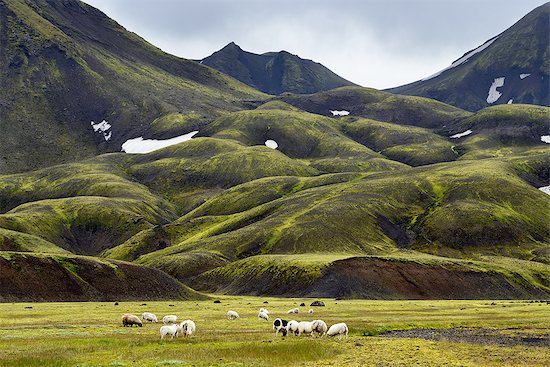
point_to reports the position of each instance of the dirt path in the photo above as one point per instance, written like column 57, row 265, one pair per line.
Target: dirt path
column 482, row 336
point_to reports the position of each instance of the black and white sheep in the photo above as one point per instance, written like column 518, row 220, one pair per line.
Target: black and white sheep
column 280, row 325
column 148, row 316
column 131, row 320
column 232, row 315
column 340, row 329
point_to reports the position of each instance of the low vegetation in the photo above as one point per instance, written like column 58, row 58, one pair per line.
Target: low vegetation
column 91, row 334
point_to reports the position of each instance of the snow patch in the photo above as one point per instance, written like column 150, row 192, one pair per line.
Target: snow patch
column 545, row 189
column 102, row 128
column 142, row 146
column 460, row 135
column 463, row 59
column 523, row 76
column 494, row 94
column 545, row 139
column 339, row 113
column 271, row 144
column 510, row 101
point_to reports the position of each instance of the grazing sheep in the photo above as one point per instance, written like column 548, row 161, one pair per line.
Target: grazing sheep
column 187, row 328
column 319, row 327
column 264, row 310
column 148, row 316
column 232, row 315
column 169, row 319
column 294, row 310
column 305, row 327
column 340, row 329
column 131, row 320
column 310, row 311
column 292, row 327
column 280, row 325
column 171, row 330
column 264, row 316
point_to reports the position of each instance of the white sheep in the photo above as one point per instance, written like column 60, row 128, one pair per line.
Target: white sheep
column 310, row 311
column 171, row 330
column 319, row 327
column 305, row 327
column 263, row 315
column 292, row 327
column 148, row 316
column 169, row 319
column 264, row 310
column 294, row 310
column 187, row 328
column 340, row 329
column 232, row 315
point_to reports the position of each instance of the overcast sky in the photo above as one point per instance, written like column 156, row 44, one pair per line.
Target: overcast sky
column 375, row 43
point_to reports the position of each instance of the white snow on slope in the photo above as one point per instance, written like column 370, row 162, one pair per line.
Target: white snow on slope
column 494, row 94
column 271, row 144
column 463, row 59
column 339, row 113
column 142, row 146
column 523, row 76
column 460, row 135
column 510, row 101
column 545, row 189
column 102, row 127
column 545, row 139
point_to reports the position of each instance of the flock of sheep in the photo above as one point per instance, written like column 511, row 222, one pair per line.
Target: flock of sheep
column 187, row 328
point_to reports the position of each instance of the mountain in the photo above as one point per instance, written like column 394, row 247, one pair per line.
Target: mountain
column 74, row 83
column 512, row 67
column 344, row 206
column 274, row 72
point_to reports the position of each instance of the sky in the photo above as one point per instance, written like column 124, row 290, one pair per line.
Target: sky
column 374, row 43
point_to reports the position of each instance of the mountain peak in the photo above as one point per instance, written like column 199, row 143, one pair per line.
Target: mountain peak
column 274, row 72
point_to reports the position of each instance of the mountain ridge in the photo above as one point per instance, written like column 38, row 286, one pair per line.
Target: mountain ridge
column 274, row 72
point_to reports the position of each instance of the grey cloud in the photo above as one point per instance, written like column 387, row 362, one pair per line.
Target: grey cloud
column 376, row 43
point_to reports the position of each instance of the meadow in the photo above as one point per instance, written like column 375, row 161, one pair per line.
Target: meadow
column 483, row 333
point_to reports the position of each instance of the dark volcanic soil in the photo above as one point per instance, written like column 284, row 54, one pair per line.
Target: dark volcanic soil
column 36, row 278
column 482, row 336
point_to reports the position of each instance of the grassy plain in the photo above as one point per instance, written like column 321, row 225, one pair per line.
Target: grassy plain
column 90, row 334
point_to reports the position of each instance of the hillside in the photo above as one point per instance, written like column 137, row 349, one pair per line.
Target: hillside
column 224, row 212
column 274, row 72
column 512, row 67
column 74, row 83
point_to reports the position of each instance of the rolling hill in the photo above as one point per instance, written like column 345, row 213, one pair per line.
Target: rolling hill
column 350, row 192
column 74, row 83
column 512, row 67
column 274, row 72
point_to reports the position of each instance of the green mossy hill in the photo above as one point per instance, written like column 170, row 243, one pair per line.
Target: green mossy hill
column 83, row 225
column 402, row 276
column 301, row 135
column 408, row 144
column 457, row 209
column 274, row 72
column 378, row 105
column 526, row 74
column 22, row 242
column 64, row 64
column 28, row 277
column 505, row 130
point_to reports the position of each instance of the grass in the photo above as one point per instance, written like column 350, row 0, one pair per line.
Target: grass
column 90, row 334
